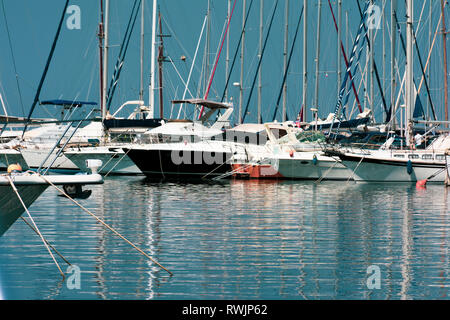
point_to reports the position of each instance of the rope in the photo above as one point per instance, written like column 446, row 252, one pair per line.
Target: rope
column 105, row 224
column 34, row 224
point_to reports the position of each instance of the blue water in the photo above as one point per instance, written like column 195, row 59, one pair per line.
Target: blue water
column 236, row 240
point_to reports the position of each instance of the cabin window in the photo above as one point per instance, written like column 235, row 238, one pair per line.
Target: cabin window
column 440, row 157
column 399, row 156
column 413, row 156
column 427, row 157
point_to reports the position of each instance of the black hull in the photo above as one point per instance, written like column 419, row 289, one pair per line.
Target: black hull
column 131, row 123
column 160, row 163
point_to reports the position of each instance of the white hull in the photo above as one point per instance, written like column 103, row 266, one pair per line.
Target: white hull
column 379, row 169
column 311, row 166
column 34, row 158
column 115, row 161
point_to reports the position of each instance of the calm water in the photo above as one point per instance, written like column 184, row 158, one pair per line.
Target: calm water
column 236, row 240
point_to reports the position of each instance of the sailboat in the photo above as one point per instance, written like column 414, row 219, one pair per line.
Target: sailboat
column 405, row 165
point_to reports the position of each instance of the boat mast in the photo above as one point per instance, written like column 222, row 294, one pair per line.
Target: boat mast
column 285, row 53
column 393, row 45
column 261, row 30
column 141, row 89
column 227, row 59
column 151, row 104
column 409, row 73
column 241, row 92
column 444, row 35
column 105, row 59
column 339, row 54
column 319, row 14
column 101, row 36
column 305, row 60
column 160, row 65
column 372, row 67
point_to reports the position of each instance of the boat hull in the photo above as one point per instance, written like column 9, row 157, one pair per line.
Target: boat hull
column 115, row 161
column 10, row 206
column 387, row 170
column 159, row 163
column 312, row 166
column 35, row 158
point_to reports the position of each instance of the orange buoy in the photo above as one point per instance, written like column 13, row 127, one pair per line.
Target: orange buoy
column 14, row 168
column 421, row 183
column 291, row 153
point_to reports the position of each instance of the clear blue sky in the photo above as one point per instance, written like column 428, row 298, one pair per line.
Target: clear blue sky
column 74, row 70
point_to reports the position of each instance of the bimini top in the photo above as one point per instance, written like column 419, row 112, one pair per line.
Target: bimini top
column 68, row 103
column 206, row 103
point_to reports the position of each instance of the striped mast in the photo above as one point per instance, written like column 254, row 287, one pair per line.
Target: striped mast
column 339, row 103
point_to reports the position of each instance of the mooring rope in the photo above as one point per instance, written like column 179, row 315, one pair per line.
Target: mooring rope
column 34, row 224
column 105, row 224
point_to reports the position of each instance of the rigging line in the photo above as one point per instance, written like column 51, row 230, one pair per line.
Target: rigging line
column 217, row 59
column 13, row 58
column 339, row 103
column 260, row 60
column 192, row 67
column 41, row 83
column 288, row 64
column 420, row 61
column 121, row 57
column 345, row 58
column 237, row 51
column 377, row 75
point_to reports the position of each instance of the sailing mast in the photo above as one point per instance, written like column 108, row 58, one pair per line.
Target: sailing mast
column 227, row 59
column 151, row 104
column 319, row 14
column 141, row 89
column 241, row 92
column 261, row 30
column 285, row 53
column 444, row 35
column 101, row 36
column 105, row 60
column 305, row 61
column 409, row 73
column 339, row 55
column 393, row 45
column 160, row 64
column 372, row 66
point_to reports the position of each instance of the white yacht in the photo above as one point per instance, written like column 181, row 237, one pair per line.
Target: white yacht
column 170, row 132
